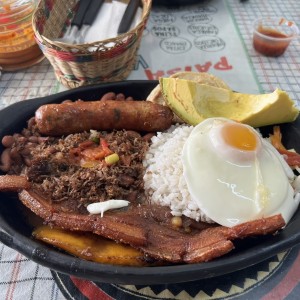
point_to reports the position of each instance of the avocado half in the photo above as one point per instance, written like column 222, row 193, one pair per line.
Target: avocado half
column 194, row 102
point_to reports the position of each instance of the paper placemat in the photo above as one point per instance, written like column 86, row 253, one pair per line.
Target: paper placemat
column 198, row 38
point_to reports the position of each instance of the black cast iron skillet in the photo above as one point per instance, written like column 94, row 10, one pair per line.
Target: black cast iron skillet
column 17, row 222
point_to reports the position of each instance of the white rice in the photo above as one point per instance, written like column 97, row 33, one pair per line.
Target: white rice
column 164, row 180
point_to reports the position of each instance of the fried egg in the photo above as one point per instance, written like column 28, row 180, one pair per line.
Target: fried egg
column 234, row 175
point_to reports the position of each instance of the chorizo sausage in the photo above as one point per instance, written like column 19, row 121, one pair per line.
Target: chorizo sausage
column 79, row 116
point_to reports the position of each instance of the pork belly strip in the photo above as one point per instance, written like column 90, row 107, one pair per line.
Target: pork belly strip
column 148, row 228
column 13, row 183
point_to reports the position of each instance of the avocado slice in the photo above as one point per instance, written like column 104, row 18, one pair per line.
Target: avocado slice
column 194, row 102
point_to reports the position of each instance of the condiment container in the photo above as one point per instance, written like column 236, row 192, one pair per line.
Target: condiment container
column 272, row 36
column 18, row 48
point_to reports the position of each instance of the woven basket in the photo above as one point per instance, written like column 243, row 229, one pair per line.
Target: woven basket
column 78, row 65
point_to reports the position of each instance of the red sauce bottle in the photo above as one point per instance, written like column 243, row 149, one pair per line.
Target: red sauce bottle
column 270, row 42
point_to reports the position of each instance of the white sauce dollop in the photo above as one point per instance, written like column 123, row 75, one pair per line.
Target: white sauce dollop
column 101, row 207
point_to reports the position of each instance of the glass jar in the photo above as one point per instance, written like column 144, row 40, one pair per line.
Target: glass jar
column 18, row 48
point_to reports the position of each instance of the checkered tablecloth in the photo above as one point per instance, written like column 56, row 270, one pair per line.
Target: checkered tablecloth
column 22, row 279
column 282, row 71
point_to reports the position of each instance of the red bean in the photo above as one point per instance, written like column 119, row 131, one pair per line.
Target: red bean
column 31, row 122
column 26, row 151
column 15, row 155
column 27, row 161
column 147, row 137
column 7, row 141
column 21, row 139
column 120, row 97
column 108, row 96
column 42, row 139
column 5, row 160
column 33, row 139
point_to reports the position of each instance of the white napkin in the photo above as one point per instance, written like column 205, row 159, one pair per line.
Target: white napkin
column 108, row 20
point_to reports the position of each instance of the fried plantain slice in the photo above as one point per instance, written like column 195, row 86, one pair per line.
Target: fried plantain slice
column 91, row 247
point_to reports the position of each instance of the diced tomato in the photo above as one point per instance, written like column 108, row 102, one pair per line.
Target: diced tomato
column 90, row 151
column 292, row 158
column 93, row 153
column 104, row 145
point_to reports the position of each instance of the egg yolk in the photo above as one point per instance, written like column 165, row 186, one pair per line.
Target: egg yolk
column 239, row 136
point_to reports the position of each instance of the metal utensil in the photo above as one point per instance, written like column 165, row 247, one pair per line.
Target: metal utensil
column 89, row 18
column 128, row 16
column 70, row 34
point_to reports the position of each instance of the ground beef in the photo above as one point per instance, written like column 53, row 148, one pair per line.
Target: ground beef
column 58, row 176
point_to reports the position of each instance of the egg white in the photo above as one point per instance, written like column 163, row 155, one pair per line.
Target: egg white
column 232, row 186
